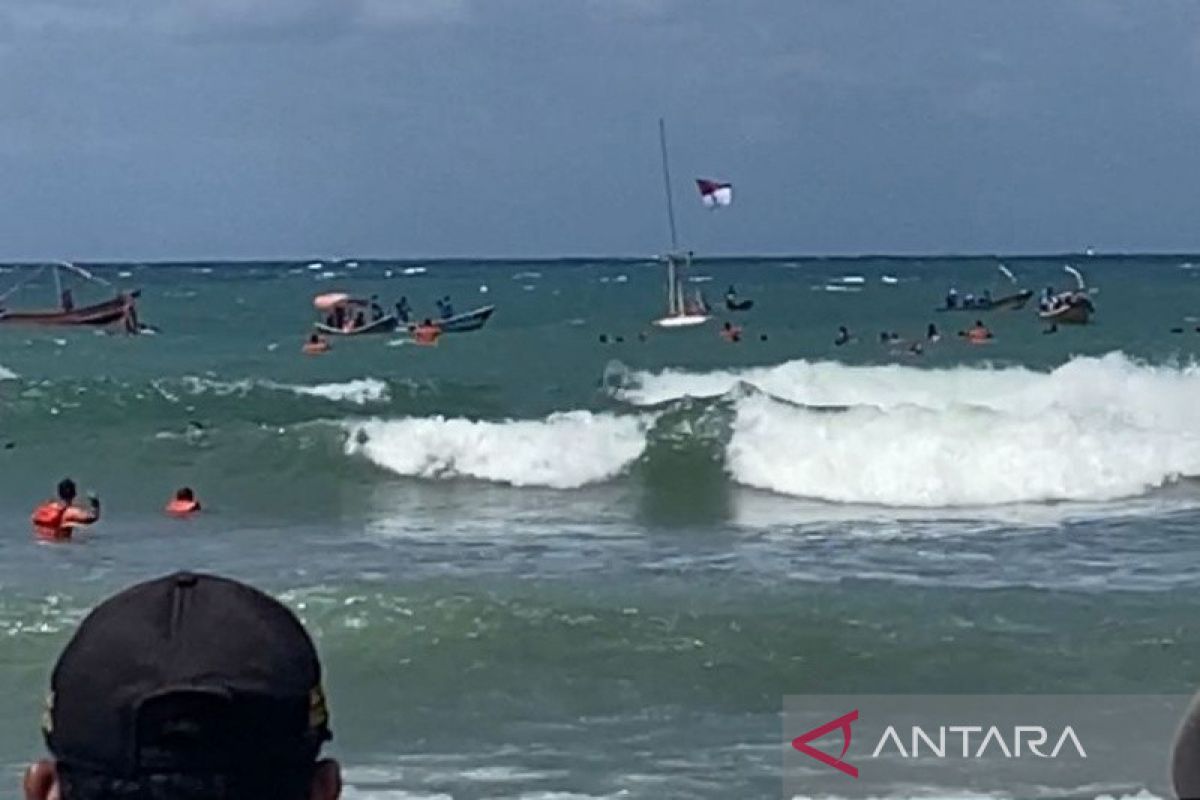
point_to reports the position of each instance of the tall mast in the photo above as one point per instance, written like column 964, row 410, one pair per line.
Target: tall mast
column 662, row 141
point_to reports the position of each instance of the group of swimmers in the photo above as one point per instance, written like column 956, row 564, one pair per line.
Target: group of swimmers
column 976, row 334
column 729, row 332
column 56, row 520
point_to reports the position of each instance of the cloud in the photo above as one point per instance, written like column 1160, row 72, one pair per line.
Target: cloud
column 222, row 20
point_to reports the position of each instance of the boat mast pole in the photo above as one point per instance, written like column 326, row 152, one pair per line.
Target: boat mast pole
column 662, row 142
column 674, row 301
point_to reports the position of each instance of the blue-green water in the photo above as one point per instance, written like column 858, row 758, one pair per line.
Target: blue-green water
column 543, row 566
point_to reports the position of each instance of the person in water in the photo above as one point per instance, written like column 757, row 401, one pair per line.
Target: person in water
column 977, row 332
column 426, row 333
column 932, row 333
column 315, row 345
column 843, row 336
column 184, row 503
column 731, row 333
column 56, row 520
column 402, row 309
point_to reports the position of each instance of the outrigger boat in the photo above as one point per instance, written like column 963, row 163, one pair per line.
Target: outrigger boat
column 680, row 312
column 347, row 316
column 120, row 309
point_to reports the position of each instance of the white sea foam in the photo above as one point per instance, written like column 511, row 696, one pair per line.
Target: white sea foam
column 360, row 391
column 7, row 374
column 563, row 451
column 1095, row 429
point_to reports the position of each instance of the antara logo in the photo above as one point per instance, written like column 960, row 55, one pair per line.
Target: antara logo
column 843, row 723
column 1018, row 742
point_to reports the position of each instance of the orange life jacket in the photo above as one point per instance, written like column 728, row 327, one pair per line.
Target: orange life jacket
column 182, row 508
column 48, row 520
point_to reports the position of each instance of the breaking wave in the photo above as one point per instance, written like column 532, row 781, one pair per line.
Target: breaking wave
column 563, row 451
column 1094, row 429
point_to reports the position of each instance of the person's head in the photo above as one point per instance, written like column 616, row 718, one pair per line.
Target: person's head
column 185, row 494
column 189, row 687
column 728, row 326
column 978, row 323
column 314, row 339
column 66, row 490
column 428, row 321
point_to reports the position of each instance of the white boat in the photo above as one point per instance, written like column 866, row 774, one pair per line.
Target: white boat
column 680, row 312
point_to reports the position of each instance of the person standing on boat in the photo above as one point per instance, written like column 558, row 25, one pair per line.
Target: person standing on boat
column 952, row 298
column 67, row 300
column 446, row 307
column 376, row 309
column 403, row 312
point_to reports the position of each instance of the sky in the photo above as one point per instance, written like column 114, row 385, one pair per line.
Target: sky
column 183, row 129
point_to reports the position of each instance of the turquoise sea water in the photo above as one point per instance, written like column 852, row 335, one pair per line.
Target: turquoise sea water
column 543, row 566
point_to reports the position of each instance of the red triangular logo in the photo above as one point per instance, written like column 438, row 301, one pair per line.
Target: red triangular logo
column 842, row 723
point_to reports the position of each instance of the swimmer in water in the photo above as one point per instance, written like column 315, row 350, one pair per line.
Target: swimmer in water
column 932, row 333
column 56, row 520
column 184, row 503
column 843, row 336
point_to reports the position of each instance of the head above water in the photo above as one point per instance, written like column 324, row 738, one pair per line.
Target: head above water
column 186, row 687
column 185, row 494
column 66, row 490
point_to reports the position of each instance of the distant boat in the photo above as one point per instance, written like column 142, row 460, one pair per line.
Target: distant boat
column 681, row 313
column 120, row 308
column 467, row 321
column 345, row 311
column 1010, row 302
column 1069, row 307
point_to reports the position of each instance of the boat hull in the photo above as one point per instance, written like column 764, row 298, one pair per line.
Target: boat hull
column 1075, row 314
column 681, row 321
column 99, row 314
column 467, row 321
column 1012, row 302
column 383, row 325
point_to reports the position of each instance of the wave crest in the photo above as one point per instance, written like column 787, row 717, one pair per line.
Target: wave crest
column 563, row 451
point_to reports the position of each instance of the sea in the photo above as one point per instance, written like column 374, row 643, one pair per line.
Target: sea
column 572, row 556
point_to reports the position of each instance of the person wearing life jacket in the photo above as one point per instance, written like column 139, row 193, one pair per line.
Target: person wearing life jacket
column 426, row 333
column 56, row 520
column 184, row 503
column 315, row 346
column 977, row 334
column 731, row 332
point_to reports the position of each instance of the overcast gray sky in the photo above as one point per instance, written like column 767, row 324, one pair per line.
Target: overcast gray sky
column 159, row 129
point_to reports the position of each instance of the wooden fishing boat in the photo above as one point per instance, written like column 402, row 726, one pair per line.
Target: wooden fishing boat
column 122, row 308
column 467, row 321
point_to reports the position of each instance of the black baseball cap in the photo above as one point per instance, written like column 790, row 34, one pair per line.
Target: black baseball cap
column 190, row 673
